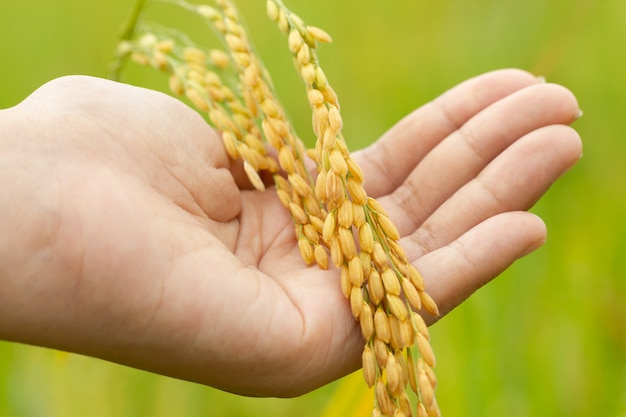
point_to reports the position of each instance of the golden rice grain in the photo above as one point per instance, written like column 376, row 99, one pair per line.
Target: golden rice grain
column 358, row 215
column 381, row 325
column 366, row 238
column 380, row 351
column 369, row 366
column 382, row 398
column 306, row 251
column 316, row 98
column 405, row 406
column 303, row 55
column 294, row 41
column 404, row 370
column 334, row 118
column 366, row 263
column 282, row 183
column 355, row 270
column 421, row 410
column 268, row 106
column 235, row 43
column 321, row 256
column 336, row 254
column 300, row 185
column 346, row 285
column 335, row 193
column 322, row 82
column 425, row 350
column 310, row 233
column 271, row 134
column 346, row 242
column 396, row 306
column 254, row 177
column 420, row 325
column 390, row 282
column 298, row 213
column 356, row 301
column 219, row 58
column 366, row 322
column 415, row 277
column 376, row 207
column 345, row 214
column 354, row 170
column 329, row 139
column 307, row 72
column 356, row 190
column 379, row 256
column 284, row 197
column 330, row 226
column 376, row 288
column 320, row 186
column 429, row 303
column 392, row 372
column 229, row 139
column 193, row 54
column 159, row 60
column 311, row 205
column 176, row 85
column 411, row 294
column 317, row 222
column 431, row 376
column 427, row 394
column 407, row 333
column 319, row 34
column 272, row 10
column 282, row 22
column 196, row 99
column 320, row 119
column 396, row 342
column 388, row 227
column 398, row 251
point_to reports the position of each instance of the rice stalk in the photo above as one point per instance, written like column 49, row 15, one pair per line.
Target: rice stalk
column 335, row 221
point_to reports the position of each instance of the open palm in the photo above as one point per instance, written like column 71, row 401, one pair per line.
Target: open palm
column 132, row 236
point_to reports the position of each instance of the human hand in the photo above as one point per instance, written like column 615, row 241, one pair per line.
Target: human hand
column 129, row 235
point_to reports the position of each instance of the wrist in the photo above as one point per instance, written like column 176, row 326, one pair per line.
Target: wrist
column 29, row 223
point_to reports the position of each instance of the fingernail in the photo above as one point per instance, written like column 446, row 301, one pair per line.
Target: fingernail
column 579, row 114
column 541, row 79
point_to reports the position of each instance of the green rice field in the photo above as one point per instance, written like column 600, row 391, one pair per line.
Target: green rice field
column 546, row 338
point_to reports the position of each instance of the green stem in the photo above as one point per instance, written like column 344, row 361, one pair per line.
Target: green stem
column 126, row 34
column 129, row 30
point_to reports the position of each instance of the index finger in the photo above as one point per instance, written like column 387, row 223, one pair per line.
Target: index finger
column 391, row 159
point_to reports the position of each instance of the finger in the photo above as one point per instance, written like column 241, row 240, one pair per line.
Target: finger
column 456, row 271
column 461, row 156
column 515, row 180
column 390, row 160
column 169, row 144
column 195, row 157
column 191, row 152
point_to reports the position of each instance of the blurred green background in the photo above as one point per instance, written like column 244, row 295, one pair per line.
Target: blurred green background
column 546, row 338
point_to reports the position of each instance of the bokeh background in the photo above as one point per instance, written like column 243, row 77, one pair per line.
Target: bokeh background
column 546, row 338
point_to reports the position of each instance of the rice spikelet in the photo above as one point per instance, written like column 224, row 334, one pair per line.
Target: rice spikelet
column 334, row 219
